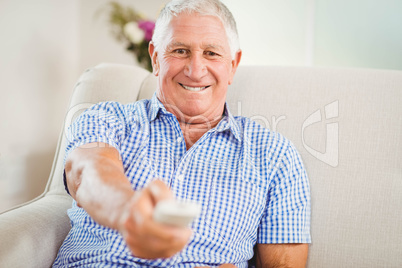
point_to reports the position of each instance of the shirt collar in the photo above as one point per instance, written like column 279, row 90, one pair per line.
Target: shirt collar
column 155, row 106
column 228, row 122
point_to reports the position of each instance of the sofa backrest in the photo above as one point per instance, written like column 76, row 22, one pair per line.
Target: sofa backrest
column 104, row 82
column 346, row 124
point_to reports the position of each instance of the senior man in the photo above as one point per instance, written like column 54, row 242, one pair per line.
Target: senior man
column 184, row 144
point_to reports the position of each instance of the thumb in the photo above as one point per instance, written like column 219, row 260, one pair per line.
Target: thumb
column 160, row 191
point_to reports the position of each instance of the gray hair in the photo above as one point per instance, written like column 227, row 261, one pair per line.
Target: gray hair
column 203, row 7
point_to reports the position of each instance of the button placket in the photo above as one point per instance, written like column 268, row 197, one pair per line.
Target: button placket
column 180, row 181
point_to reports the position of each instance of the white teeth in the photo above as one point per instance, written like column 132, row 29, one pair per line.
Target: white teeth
column 195, row 89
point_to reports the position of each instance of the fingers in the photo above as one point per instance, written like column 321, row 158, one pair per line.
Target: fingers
column 146, row 238
column 143, row 206
column 150, row 245
column 159, row 191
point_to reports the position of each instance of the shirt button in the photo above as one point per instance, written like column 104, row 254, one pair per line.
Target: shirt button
column 179, row 139
column 180, row 177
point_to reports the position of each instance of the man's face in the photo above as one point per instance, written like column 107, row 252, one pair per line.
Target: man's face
column 194, row 68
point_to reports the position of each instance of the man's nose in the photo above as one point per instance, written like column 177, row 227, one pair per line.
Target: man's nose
column 196, row 67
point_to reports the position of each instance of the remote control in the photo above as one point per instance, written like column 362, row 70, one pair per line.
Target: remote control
column 173, row 212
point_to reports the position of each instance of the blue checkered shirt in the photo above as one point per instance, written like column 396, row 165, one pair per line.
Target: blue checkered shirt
column 250, row 182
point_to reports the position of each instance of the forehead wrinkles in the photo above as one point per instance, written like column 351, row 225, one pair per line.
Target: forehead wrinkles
column 196, row 32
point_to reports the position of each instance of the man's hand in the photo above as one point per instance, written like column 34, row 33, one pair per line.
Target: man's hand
column 146, row 238
column 96, row 180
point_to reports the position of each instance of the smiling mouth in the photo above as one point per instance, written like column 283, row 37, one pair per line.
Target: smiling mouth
column 194, row 89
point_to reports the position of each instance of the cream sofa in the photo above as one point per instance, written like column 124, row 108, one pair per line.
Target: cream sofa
column 346, row 123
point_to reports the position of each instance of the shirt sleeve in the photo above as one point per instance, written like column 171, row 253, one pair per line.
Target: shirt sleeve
column 287, row 215
column 103, row 122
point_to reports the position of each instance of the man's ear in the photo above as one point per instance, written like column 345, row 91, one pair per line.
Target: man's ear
column 235, row 63
column 154, row 58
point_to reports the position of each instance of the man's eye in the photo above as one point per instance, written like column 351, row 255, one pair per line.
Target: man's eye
column 180, row 51
column 210, row 53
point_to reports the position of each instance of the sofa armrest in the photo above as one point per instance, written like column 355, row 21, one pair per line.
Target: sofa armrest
column 32, row 234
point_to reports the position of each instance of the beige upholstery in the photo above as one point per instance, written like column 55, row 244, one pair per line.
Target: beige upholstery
column 346, row 123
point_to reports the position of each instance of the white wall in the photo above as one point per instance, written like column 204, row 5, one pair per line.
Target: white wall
column 348, row 33
column 96, row 43
column 38, row 69
column 271, row 32
column 358, row 33
column 46, row 44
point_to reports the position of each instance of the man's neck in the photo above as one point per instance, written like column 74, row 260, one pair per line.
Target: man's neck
column 193, row 131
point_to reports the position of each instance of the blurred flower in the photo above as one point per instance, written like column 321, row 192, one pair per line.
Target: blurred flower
column 133, row 32
column 132, row 28
column 148, row 27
